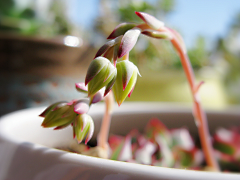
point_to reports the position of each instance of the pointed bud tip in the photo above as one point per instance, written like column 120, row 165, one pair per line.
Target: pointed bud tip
column 86, row 141
column 41, row 115
column 57, row 128
column 137, row 13
column 119, row 103
column 79, row 141
column 124, row 86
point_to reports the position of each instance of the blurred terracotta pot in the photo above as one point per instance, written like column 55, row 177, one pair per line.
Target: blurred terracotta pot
column 35, row 71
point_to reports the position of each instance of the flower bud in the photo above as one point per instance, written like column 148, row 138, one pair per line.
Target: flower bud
column 81, row 107
column 128, row 41
column 83, row 126
column 98, row 96
column 150, row 20
column 126, row 79
column 121, row 29
column 60, row 116
column 51, row 107
column 157, row 34
column 81, row 87
column 101, row 73
column 108, row 45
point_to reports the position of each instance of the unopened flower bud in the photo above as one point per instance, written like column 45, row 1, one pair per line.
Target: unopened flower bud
column 101, row 73
column 83, row 126
column 128, row 41
column 81, row 107
column 121, row 29
column 98, row 96
column 126, row 79
column 51, row 107
column 60, row 116
column 157, row 34
column 150, row 20
column 108, row 45
column 81, row 87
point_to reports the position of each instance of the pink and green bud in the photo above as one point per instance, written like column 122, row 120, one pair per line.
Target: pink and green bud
column 126, row 79
column 94, row 99
column 108, row 45
column 60, row 116
column 83, row 126
column 157, row 34
column 51, row 107
column 150, row 20
column 98, row 96
column 101, row 73
column 81, row 107
column 121, row 29
column 128, row 41
column 81, row 87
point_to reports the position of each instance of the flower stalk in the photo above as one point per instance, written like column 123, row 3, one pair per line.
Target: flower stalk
column 198, row 112
column 106, row 121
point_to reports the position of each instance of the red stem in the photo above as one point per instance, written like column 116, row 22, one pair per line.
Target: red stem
column 199, row 114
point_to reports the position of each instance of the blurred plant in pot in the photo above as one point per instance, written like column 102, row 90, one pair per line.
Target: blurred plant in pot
column 112, row 71
column 157, row 146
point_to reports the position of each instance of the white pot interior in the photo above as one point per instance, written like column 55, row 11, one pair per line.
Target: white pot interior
column 23, row 129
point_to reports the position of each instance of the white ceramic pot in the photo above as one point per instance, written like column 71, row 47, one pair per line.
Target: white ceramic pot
column 27, row 153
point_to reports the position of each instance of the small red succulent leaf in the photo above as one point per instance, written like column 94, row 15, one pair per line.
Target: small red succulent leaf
column 121, row 29
column 126, row 151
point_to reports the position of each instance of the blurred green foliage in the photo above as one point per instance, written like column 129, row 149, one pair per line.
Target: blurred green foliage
column 26, row 20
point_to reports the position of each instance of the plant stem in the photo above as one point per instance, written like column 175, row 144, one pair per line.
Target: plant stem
column 198, row 112
column 104, row 130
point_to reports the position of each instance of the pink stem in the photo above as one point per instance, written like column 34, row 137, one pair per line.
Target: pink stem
column 199, row 114
column 104, row 130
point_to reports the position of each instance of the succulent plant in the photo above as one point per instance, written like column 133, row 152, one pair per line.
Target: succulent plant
column 157, row 146
column 111, row 69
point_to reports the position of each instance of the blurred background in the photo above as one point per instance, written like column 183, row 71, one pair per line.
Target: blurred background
column 47, row 45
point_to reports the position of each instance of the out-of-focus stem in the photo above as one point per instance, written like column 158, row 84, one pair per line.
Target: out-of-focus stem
column 199, row 114
column 104, row 130
column 125, row 57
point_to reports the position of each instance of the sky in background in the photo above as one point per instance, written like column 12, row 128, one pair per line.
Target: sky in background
column 210, row 18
